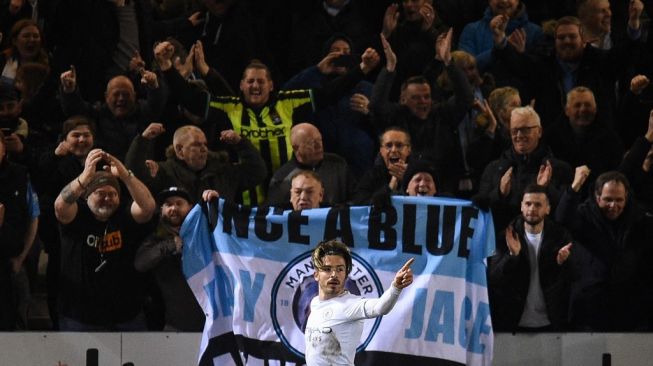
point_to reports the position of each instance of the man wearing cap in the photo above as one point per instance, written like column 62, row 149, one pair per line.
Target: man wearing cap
column 100, row 288
column 419, row 179
column 13, row 127
column 161, row 254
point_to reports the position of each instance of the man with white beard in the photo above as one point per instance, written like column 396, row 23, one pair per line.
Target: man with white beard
column 100, row 289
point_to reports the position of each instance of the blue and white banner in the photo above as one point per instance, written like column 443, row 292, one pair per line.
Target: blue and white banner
column 253, row 277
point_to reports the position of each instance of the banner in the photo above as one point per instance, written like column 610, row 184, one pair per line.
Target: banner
column 253, row 277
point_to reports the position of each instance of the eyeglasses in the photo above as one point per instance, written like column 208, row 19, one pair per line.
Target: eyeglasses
column 398, row 145
column 523, row 130
column 102, row 194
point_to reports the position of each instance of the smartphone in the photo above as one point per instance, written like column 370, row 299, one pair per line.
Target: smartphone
column 344, row 61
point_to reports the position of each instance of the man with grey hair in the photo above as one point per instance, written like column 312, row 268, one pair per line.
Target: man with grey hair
column 526, row 162
column 579, row 139
column 192, row 166
column 337, row 180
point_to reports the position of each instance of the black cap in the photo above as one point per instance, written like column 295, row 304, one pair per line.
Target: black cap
column 101, row 179
column 172, row 192
column 419, row 166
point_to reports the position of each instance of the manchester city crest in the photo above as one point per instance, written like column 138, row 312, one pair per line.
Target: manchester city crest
column 294, row 289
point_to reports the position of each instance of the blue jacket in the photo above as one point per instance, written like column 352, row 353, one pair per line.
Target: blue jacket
column 477, row 40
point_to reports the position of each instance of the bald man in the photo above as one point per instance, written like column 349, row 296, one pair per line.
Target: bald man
column 122, row 116
column 308, row 154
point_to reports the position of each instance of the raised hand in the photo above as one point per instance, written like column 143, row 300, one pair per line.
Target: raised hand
column 198, row 57
column 443, row 46
column 153, row 130
column 390, row 57
column 404, row 277
column 196, row 19
column 210, row 195
column 390, row 19
column 90, row 164
column 152, row 167
column 230, row 137
column 13, row 143
column 638, row 83
column 505, row 183
column 428, row 16
column 486, row 113
column 359, row 103
column 163, row 52
column 62, row 149
column 512, row 241
column 326, row 66
column 563, row 254
column 498, row 26
column 580, row 176
column 545, row 173
column 149, row 79
column 136, row 63
column 369, row 60
column 69, row 80
column 518, row 40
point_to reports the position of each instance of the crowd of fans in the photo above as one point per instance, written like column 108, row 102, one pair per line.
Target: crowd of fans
column 117, row 116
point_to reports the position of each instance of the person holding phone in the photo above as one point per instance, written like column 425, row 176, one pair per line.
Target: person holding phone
column 344, row 125
column 99, row 286
column 19, row 218
column 14, row 128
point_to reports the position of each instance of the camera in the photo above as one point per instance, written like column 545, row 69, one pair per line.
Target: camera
column 344, row 61
column 6, row 131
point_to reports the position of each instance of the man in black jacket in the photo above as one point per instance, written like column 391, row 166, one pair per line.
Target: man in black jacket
column 386, row 177
column 19, row 213
column 528, row 276
column 580, row 139
column 571, row 63
column 528, row 161
column 161, row 254
column 615, row 293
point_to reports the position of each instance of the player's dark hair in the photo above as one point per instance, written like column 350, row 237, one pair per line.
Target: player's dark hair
column 331, row 247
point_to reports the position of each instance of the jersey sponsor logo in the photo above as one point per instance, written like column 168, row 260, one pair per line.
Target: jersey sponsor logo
column 111, row 242
column 262, row 133
column 294, row 289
